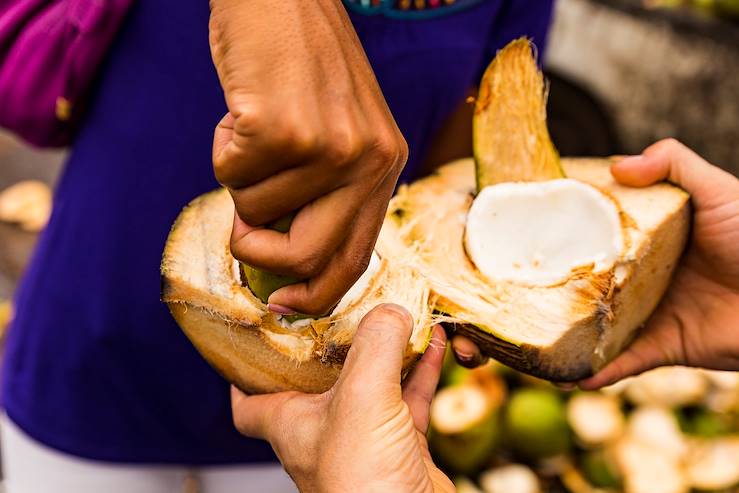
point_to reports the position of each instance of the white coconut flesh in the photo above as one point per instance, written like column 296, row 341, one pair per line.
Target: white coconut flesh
column 511, row 478
column 539, row 233
column 356, row 292
column 647, row 470
column 459, row 408
column 714, row 464
column 658, row 428
column 595, row 418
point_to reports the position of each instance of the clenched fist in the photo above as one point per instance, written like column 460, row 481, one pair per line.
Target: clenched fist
column 307, row 130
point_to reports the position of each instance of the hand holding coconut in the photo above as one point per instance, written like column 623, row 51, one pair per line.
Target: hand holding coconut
column 308, row 130
column 368, row 432
column 697, row 323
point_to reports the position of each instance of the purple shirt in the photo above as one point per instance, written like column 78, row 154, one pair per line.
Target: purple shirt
column 94, row 365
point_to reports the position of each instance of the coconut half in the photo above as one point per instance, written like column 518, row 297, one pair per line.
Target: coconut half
column 549, row 275
column 254, row 348
column 559, row 318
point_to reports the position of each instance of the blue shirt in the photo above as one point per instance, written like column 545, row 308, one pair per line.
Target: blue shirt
column 94, row 365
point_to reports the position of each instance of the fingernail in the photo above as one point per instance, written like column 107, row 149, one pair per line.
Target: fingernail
column 626, row 159
column 566, row 387
column 464, row 356
column 282, row 310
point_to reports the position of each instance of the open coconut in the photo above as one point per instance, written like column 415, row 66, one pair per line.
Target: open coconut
column 549, row 275
column 252, row 347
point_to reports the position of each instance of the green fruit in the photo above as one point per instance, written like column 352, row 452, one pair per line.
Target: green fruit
column 510, row 136
column 263, row 283
column 536, row 424
column 467, row 452
column 465, row 485
column 703, row 423
column 728, row 8
column 599, row 470
column 464, row 429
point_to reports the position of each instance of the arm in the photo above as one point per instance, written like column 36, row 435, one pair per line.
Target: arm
column 307, row 130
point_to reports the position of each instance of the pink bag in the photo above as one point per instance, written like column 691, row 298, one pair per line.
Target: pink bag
column 50, row 51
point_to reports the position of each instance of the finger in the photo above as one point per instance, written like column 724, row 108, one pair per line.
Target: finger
column 467, row 353
column 420, row 386
column 670, row 160
column 376, row 355
column 283, row 193
column 254, row 415
column 321, row 292
column 245, row 154
column 316, row 232
column 241, row 158
column 657, row 344
column 565, row 386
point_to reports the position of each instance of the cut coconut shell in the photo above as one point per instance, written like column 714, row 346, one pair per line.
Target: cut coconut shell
column 562, row 332
column 249, row 345
column 510, row 135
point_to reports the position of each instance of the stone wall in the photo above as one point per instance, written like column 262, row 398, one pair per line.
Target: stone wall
column 658, row 74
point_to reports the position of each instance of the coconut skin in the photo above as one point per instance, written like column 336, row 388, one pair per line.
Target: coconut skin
column 236, row 333
column 560, row 333
column 509, row 129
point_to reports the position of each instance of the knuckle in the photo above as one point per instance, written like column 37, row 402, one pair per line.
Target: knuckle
column 249, row 118
column 670, row 145
column 391, row 151
column 358, row 266
column 404, row 152
column 294, row 137
column 238, row 421
column 345, row 147
column 672, row 142
column 307, row 264
column 238, row 250
column 249, row 212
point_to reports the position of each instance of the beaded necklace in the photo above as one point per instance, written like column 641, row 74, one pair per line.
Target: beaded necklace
column 409, row 9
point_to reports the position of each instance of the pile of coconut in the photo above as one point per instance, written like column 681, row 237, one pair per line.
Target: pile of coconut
column 671, row 430
column 26, row 204
column 547, row 263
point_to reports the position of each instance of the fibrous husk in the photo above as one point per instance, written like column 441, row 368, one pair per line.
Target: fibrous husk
column 496, row 288
column 251, row 346
column 511, row 140
column 561, row 332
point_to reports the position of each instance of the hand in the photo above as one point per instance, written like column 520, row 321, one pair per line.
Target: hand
column 308, row 130
column 367, row 433
column 697, row 323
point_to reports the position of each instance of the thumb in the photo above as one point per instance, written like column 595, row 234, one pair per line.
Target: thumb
column 378, row 347
column 258, row 416
column 658, row 344
column 672, row 161
column 420, row 386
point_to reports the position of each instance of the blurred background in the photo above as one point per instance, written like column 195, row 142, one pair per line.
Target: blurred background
column 623, row 74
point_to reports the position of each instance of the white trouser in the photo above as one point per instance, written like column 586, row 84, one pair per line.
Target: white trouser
column 31, row 467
